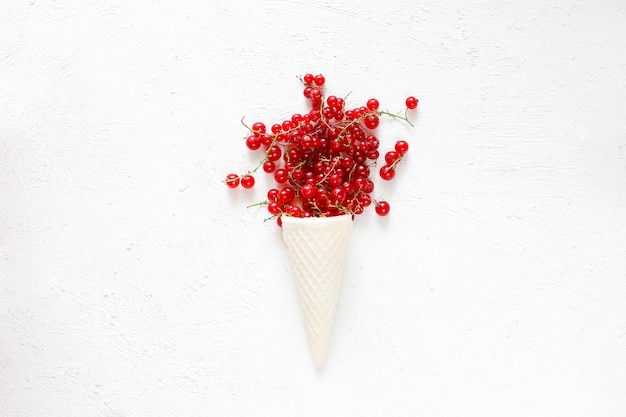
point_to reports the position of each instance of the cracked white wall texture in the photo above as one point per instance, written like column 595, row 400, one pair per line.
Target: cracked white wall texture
column 133, row 283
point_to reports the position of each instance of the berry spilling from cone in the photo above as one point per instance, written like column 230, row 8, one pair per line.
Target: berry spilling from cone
column 322, row 161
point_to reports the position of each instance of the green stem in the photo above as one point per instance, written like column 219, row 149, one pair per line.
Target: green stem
column 396, row 116
column 260, row 203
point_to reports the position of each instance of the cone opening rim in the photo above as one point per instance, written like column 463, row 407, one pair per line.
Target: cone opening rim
column 344, row 218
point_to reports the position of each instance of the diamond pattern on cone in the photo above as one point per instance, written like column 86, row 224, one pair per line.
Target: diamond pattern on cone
column 317, row 249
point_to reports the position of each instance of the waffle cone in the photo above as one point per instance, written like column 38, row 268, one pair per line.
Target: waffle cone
column 317, row 250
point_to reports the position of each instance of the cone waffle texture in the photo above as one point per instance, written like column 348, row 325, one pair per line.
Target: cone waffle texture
column 317, row 249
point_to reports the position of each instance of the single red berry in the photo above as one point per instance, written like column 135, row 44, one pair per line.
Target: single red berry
column 286, row 195
column 372, row 142
column 316, row 95
column 373, row 155
column 382, row 208
column 307, row 191
column 272, row 194
column 372, row 104
column 319, row 80
column 266, row 140
column 232, row 180
column 253, row 142
column 402, row 147
column 391, row 157
column 387, row 173
column 296, row 119
column 274, row 208
column 269, row 166
column 274, row 153
column 411, row 102
column 258, row 127
column 287, row 125
column 338, row 195
column 247, row 181
column 372, row 121
column 281, row 175
column 308, row 78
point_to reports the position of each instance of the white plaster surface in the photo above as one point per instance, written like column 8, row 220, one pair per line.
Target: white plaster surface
column 134, row 284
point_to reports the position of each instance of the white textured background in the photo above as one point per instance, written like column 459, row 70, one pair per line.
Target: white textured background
column 133, row 283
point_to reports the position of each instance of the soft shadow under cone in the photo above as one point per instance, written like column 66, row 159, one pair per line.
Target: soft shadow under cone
column 317, row 249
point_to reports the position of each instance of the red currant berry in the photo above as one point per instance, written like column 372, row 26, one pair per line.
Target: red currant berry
column 297, row 174
column 371, row 121
column 247, row 181
column 373, row 155
column 319, row 80
column 274, row 153
column 269, row 166
column 308, row 78
column 293, row 210
column 253, row 142
column 272, row 194
column 411, row 102
column 287, row 125
column 316, row 95
column 307, row 191
column 232, row 180
column 281, row 175
column 274, row 208
column 382, row 208
column 338, row 195
column 391, row 157
column 372, row 104
column 402, row 147
column 387, row 173
column 258, row 127
column 286, row 195
column 296, row 119
column 372, row 142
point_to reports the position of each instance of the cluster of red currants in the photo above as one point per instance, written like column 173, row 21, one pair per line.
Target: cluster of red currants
column 321, row 160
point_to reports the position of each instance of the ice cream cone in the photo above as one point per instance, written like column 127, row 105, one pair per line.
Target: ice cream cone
column 317, row 249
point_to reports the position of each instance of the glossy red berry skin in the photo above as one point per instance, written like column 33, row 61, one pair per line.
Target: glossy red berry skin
column 281, row 175
column 372, row 104
column 402, row 147
column 247, row 181
column 411, row 103
column 307, row 191
column 272, row 194
column 319, row 80
column 269, row 166
column 274, row 208
column 371, row 121
column 258, row 127
column 382, row 208
column 387, row 173
column 253, row 142
column 391, row 157
column 232, row 180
